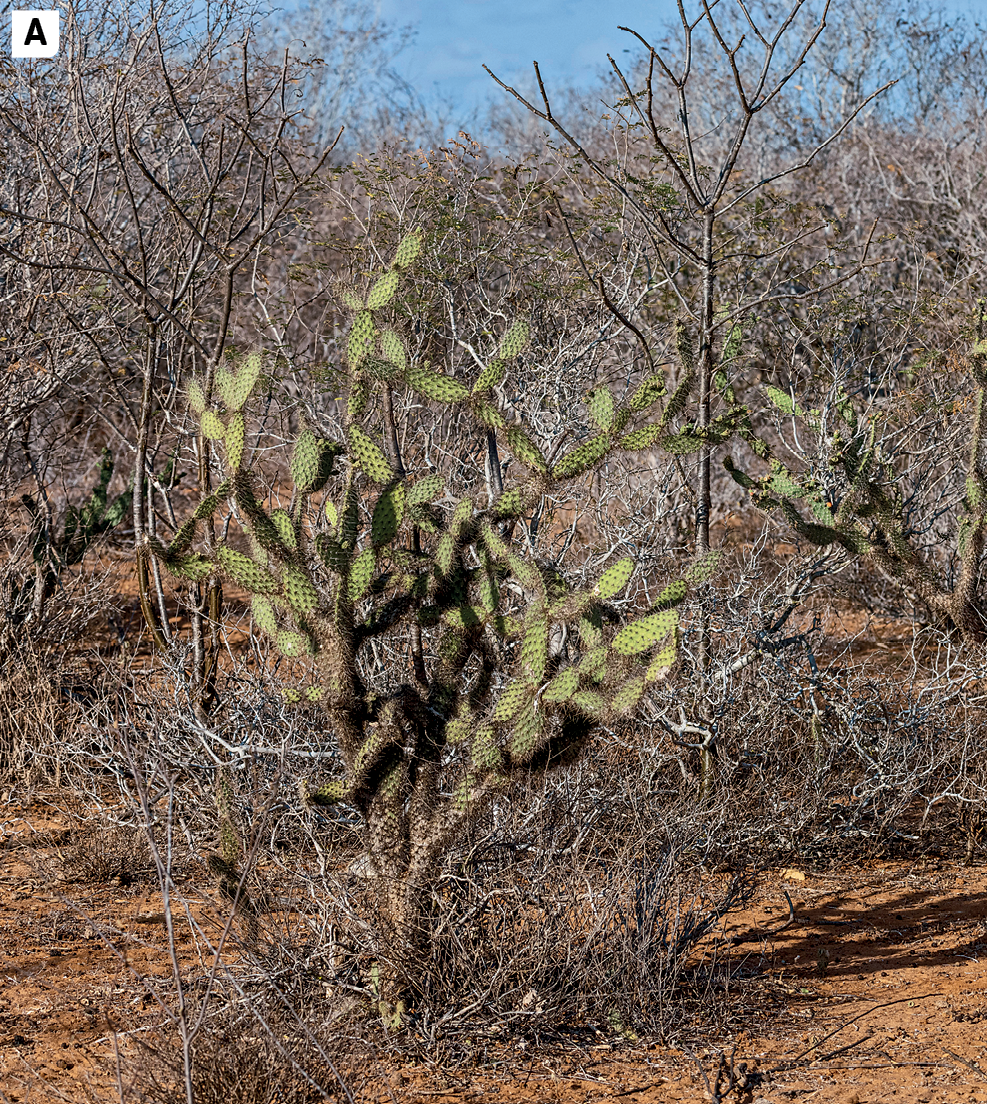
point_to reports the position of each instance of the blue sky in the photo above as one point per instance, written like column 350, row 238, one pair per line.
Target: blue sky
column 569, row 38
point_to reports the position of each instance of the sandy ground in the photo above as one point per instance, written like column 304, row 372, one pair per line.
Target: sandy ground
column 869, row 988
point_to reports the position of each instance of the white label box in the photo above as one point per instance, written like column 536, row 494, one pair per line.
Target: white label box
column 34, row 34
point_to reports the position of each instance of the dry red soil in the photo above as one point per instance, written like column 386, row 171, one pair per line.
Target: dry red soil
column 870, row 988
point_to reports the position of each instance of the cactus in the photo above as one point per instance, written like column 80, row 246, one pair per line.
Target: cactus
column 489, row 692
column 53, row 552
column 855, row 504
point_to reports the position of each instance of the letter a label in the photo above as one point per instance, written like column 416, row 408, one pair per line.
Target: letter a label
column 34, row 34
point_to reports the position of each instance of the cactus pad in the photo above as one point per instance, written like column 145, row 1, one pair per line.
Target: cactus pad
column 299, row 592
column 332, row 553
column 526, row 450
column 601, row 407
column 434, row 386
column 514, row 340
column 512, row 697
column 196, row 397
column 582, row 458
column 368, row 457
column 212, row 426
column 361, row 573
column 638, row 636
column 285, row 527
column 408, row 249
column 293, row 644
column 563, row 686
column 647, row 394
column 235, row 438
column 263, row 614
column 426, row 489
column 362, row 335
column 383, row 291
column 305, row 460
column 491, row 375
column 534, row 647
column 392, row 349
column 246, row 572
column 387, row 515
column 628, row 696
column 615, row 578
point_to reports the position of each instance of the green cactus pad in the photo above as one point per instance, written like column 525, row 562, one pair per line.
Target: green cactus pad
column 526, row 450
column 628, row 696
column 615, row 578
column 359, row 396
column 582, row 458
column 647, row 394
column 427, row 489
column 388, row 514
column 235, row 439
column 196, row 397
column 534, row 647
column 511, row 699
column 299, row 592
column 680, row 396
column 212, row 426
column 305, row 460
column 435, row 386
column 314, row 693
column 672, row 594
column 408, row 249
column 464, row 618
column 661, row 664
column 392, row 349
column 491, row 376
column 292, row 695
column 563, row 686
column 489, row 593
column 329, row 794
column 590, row 703
column 783, row 401
column 285, row 527
column 638, row 636
column 246, row 379
column 368, row 457
column 361, row 341
column 294, row 644
column 514, row 340
column 525, row 736
column 511, row 504
column 383, row 291
column 263, row 614
column 332, row 553
column 703, row 568
column 593, row 663
column 361, row 573
column 641, row 438
column 246, row 572
column 601, row 407
column 224, row 385
column 489, row 415
column 445, row 552
column 485, row 753
column 195, row 568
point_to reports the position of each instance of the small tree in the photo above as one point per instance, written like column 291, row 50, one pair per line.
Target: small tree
column 509, row 669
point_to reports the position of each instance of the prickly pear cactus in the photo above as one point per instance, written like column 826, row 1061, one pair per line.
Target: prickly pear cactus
column 510, row 667
column 851, row 498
